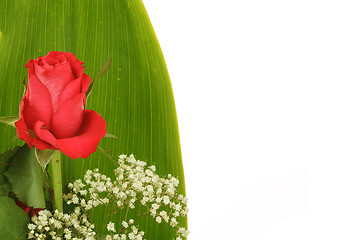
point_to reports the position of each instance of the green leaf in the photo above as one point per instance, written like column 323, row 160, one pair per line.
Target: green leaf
column 9, row 120
column 26, row 178
column 5, row 189
column 134, row 96
column 13, row 220
column 5, row 160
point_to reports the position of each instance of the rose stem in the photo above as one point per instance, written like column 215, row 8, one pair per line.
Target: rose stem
column 57, row 181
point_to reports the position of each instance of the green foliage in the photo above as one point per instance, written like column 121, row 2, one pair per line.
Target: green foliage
column 5, row 160
column 5, row 188
column 13, row 220
column 26, row 177
column 134, row 96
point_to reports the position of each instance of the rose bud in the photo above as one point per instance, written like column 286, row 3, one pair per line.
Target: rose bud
column 52, row 114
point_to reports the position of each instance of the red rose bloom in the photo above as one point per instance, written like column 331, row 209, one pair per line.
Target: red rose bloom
column 52, row 114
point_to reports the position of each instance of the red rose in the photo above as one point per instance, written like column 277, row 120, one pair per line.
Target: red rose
column 52, row 114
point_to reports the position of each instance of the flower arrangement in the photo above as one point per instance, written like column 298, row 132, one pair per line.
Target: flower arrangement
column 53, row 120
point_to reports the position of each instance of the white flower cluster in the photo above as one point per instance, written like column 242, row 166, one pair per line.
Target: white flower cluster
column 129, row 231
column 60, row 226
column 134, row 182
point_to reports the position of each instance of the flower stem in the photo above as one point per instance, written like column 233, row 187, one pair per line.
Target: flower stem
column 57, row 181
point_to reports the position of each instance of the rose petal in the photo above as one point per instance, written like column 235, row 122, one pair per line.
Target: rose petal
column 80, row 84
column 21, row 128
column 41, row 67
column 38, row 104
column 55, row 79
column 85, row 142
column 44, row 134
column 54, row 61
column 24, row 134
column 85, row 83
column 57, row 57
column 37, row 143
column 75, row 87
column 67, row 120
column 30, row 63
column 76, row 65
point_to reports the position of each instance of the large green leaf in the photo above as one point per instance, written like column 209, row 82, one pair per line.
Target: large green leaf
column 134, row 96
column 13, row 220
column 25, row 176
column 5, row 160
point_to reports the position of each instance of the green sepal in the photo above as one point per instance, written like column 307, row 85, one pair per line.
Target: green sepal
column 101, row 72
column 109, row 135
column 44, row 156
column 106, row 153
column 9, row 120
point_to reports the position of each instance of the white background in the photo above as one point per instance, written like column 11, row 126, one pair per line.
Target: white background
column 268, row 102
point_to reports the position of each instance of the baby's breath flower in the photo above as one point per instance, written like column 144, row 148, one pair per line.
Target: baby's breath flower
column 48, row 224
column 125, row 224
column 166, row 200
column 111, row 227
column 134, row 182
column 173, row 222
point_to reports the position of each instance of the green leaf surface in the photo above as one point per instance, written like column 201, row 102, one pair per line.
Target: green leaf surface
column 13, row 220
column 134, row 96
column 26, row 177
column 5, row 189
column 5, row 159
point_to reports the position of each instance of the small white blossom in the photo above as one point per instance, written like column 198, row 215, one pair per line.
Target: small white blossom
column 166, row 200
column 111, row 227
column 125, row 224
column 173, row 222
